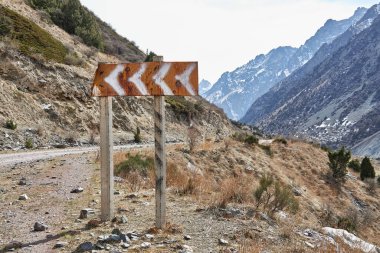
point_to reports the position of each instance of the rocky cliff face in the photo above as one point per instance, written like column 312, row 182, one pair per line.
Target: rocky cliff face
column 235, row 91
column 335, row 99
column 50, row 102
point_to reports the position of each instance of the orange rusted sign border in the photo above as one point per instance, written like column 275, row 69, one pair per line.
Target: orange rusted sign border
column 146, row 79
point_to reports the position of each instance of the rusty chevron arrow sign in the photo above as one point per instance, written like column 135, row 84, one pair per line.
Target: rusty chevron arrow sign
column 146, row 79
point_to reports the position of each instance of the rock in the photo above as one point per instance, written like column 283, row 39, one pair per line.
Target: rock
column 351, row 240
column 60, row 245
column 84, row 213
column 120, row 219
column 310, row 245
column 297, row 191
column 86, row 246
column 149, row 236
column 93, row 223
column 223, row 242
column 125, row 245
column 22, row 181
column 23, row 197
column 12, row 245
column 132, row 196
column 99, row 246
column 77, row 190
column 186, row 249
column 116, row 231
column 38, row 226
column 187, row 237
column 145, row 245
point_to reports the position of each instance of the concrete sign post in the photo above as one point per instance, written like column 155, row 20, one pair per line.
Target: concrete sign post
column 106, row 160
column 156, row 79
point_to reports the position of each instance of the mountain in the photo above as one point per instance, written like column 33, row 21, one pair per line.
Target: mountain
column 335, row 97
column 235, row 91
column 204, row 86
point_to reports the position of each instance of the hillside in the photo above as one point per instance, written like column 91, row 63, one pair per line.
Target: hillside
column 211, row 197
column 235, row 91
column 48, row 98
column 332, row 99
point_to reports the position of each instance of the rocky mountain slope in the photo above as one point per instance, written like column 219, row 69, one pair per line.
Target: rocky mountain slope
column 49, row 99
column 235, row 91
column 335, row 97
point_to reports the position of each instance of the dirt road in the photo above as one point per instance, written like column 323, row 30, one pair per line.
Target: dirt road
column 30, row 156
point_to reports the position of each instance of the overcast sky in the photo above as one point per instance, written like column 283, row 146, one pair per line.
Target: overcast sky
column 220, row 34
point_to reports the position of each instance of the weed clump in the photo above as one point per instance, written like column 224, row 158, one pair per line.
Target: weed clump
column 272, row 196
column 10, row 124
column 29, row 143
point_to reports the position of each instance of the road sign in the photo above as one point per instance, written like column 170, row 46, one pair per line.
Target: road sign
column 146, row 79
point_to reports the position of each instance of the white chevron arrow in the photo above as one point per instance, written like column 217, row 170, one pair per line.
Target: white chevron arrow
column 158, row 78
column 112, row 79
column 184, row 78
column 136, row 79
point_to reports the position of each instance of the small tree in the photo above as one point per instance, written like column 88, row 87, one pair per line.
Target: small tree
column 137, row 136
column 338, row 163
column 366, row 169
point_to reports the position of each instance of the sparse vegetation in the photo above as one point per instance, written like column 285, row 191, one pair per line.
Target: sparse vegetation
column 30, row 38
column 10, row 124
column 281, row 140
column 338, row 163
column 135, row 163
column 29, row 143
column 137, row 135
column 273, row 196
column 135, row 169
column 250, row 139
column 366, row 169
column 182, row 107
column 354, row 165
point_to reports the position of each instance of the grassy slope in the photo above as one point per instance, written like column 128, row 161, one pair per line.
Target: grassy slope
column 32, row 39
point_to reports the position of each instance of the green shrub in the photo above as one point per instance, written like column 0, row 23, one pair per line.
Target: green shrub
column 134, row 164
column 366, row 169
column 250, row 139
column 74, row 59
column 354, row 164
column 29, row 143
column 325, row 148
column 281, row 140
column 10, row 124
column 137, row 136
column 338, row 163
column 149, row 56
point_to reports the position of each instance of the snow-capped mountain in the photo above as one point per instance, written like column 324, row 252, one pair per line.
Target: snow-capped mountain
column 335, row 97
column 204, row 86
column 235, row 91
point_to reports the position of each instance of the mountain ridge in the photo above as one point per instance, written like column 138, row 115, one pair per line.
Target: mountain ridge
column 235, row 91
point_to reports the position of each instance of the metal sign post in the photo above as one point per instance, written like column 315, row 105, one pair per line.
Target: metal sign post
column 156, row 79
